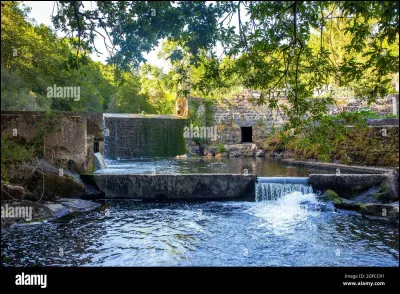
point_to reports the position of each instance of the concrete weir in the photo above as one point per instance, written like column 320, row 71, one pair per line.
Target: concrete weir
column 345, row 182
column 177, row 186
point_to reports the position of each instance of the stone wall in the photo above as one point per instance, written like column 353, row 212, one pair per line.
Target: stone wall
column 229, row 115
column 242, row 110
column 69, row 140
column 386, row 106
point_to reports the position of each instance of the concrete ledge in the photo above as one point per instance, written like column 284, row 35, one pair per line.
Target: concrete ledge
column 178, row 187
column 334, row 166
column 345, row 182
column 383, row 122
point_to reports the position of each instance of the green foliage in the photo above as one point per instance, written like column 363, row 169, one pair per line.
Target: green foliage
column 33, row 59
column 45, row 125
column 344, row 137
column 200, row 141
column 136, row 27
column 332, row 196
column 204, row 118
column 319, row 137
column 286, row 48
column 13, row 152
column 221, row 148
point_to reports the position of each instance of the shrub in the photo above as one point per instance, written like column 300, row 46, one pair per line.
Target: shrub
column 13, row 152
column 221, row 148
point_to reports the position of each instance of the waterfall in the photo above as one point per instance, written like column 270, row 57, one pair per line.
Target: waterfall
column 274, row 188
column 99, row 161
column 132, row 136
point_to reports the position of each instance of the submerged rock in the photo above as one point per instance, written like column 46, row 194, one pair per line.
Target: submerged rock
column 37, row 212
column 382, row 211
column 23, row 212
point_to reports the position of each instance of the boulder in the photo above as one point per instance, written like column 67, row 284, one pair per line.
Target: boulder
column 13, row 192
column 46, row 182
column 260, row 153
column 210, row 151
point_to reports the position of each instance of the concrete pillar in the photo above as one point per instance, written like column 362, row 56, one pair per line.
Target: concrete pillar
column 395, row 101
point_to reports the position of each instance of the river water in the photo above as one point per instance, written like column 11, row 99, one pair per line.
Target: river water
column 293, row 228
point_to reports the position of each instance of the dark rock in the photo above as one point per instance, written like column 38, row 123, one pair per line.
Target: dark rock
column 44, row 182
column 372, row 195
column 13, row 192
column 348, row 204
column 210, row 150
column 38, row 210
column 383, row 211
column 196, row 150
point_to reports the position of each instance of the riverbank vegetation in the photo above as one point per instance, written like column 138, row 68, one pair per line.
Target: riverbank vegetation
column 344, row 138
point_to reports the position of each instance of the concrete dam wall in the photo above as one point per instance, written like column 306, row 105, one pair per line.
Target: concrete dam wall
column 177, row 187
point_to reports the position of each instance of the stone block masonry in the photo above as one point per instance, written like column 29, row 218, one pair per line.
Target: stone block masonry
column 231, row 115
column 242, row 110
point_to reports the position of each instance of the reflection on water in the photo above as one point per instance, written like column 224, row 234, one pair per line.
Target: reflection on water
column 295, row 230
column 258, row 166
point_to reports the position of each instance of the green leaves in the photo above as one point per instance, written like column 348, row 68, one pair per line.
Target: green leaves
column 269, row 46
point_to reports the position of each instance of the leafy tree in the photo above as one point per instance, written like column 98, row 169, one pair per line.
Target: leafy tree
column 272, row 47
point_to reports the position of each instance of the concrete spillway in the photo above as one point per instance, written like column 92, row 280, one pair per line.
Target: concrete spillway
column 132, row 136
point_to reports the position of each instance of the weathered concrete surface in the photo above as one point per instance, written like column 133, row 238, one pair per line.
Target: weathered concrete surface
column 383, row 122
column 334, row 166
column 345, row 182
column 178, row 187
column 69, row 138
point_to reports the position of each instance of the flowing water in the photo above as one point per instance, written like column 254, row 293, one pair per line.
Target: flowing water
column 291, row 228
column 259, row 166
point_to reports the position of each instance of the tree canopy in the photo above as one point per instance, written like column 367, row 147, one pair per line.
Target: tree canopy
column 292, row 47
